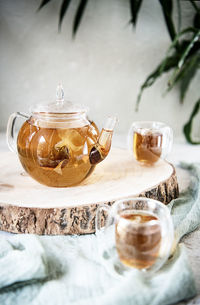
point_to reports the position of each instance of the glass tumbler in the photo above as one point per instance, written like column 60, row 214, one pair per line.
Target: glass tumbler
column 149, row 141
column 143, row 232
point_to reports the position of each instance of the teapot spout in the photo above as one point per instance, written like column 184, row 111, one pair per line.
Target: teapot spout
column 101, row 149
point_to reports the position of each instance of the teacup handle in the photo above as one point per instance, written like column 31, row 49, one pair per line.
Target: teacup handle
column 100, row 209
column 11, row 139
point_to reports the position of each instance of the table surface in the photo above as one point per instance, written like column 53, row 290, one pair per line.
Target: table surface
column 181, row 151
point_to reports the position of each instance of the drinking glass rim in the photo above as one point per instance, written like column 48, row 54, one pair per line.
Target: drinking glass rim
column 145, row 224
column 160, row 124
column 145, row 199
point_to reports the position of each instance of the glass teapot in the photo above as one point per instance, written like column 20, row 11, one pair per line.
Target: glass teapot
column 57, row 145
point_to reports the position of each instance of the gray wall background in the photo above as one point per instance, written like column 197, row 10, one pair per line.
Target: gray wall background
column 102, row 68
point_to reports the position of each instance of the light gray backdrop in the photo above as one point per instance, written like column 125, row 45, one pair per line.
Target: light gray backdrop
column 102, row 68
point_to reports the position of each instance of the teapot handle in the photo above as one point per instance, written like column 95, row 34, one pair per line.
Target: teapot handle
column 11, row 140
column 98, row 220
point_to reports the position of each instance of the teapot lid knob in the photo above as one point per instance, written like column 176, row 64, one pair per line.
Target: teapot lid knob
column 59, row 94
column 59, row 105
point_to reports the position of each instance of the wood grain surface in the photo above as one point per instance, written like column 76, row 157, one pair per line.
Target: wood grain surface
column 28, row 207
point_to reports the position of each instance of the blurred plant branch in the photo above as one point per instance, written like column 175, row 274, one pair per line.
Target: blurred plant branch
column 63, row 10
column 183, row 55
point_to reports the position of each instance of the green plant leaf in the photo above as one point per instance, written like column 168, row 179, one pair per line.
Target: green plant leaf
column 134, row 8
column 194, row 5
column 167, row 8
column 196, row 21
column 188, row 49
column 191, row 69
column 185, row 75
column 175, row 76
column 183, row 44
column 195, row 49
column 43, row 3
column 167, row 64
column 179, row 15
column 187, row 129
column 63, row 11
column 79, row 15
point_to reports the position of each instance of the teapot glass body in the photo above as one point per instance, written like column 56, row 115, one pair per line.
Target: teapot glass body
column 59, row 149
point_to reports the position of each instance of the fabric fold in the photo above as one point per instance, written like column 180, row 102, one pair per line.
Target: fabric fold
column 21, row 260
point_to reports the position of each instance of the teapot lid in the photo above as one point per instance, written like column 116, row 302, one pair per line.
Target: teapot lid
column 60, row 106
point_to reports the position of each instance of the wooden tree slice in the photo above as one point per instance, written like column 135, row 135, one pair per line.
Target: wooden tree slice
column 29, row 207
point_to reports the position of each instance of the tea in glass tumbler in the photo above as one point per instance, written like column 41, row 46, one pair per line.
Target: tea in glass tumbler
column 150, row 141
column 142, row 232
column 138, row 238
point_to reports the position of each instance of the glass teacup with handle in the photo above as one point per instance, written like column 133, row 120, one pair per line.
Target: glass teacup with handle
column 142, row 231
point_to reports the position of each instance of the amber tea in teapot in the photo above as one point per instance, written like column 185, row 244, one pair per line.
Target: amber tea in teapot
column 57, row 145
column 56, row 156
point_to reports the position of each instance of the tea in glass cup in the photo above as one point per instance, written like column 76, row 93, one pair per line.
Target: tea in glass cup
column 138, row 239
column 143, row 232
column 150, row 141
